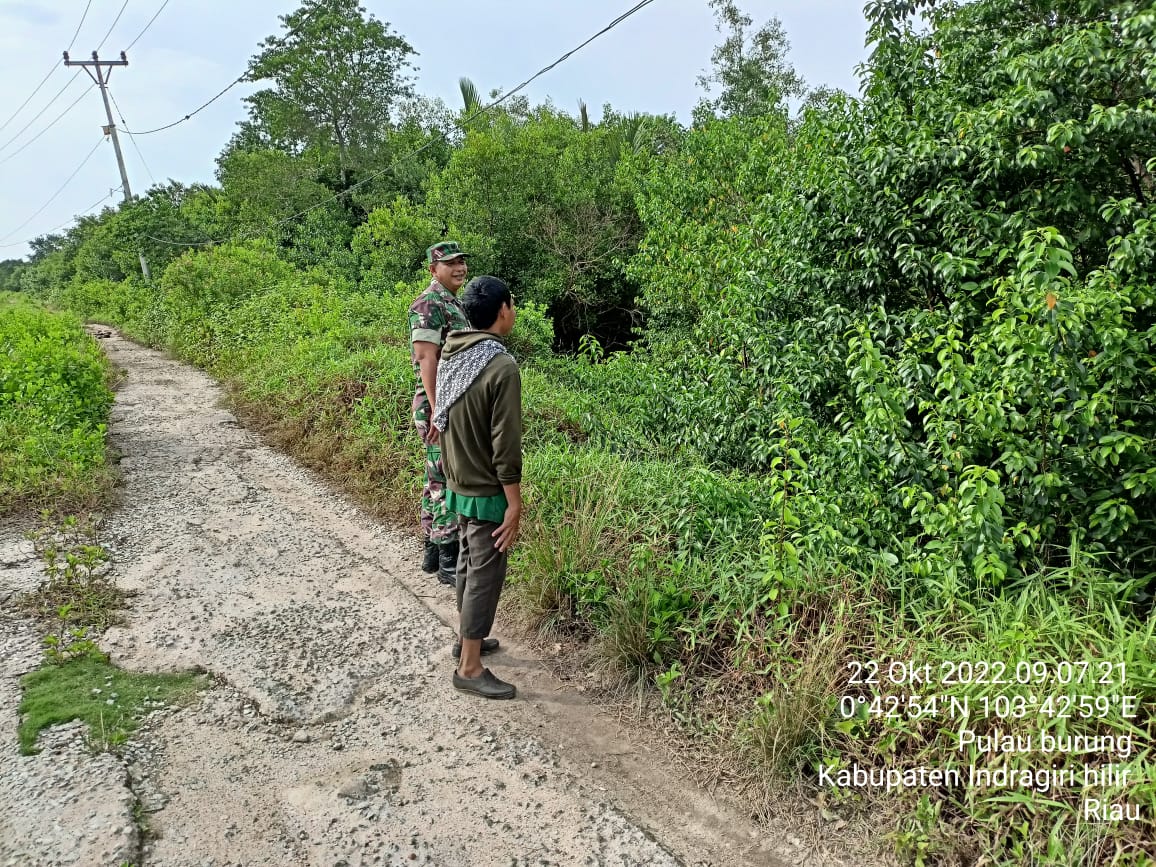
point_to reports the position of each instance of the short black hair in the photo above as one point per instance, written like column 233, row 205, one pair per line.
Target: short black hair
column 482, row 299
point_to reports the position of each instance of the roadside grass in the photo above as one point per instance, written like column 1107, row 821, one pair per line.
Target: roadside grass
column 573, row 543
column 790, row 719
column 338, row 414
column 89, row 688
column 753, row 653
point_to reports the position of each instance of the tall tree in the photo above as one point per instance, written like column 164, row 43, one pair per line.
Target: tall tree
column 750, row 68
column 337, row 75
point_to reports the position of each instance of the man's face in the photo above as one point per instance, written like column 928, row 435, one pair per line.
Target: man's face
column 451, row 274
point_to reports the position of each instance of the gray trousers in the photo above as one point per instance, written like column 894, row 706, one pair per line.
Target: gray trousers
column 481, row 574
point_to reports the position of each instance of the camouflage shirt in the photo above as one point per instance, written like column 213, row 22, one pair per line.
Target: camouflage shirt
column 434, row 314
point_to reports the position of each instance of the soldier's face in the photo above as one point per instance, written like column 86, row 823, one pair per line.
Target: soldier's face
column 451, row 274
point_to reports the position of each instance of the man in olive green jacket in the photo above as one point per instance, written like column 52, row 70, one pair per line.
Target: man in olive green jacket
column 479, row 414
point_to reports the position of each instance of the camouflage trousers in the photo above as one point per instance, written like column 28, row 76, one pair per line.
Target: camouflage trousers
column 437, row 524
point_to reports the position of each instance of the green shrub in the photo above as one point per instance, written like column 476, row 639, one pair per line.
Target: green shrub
column 54, row 404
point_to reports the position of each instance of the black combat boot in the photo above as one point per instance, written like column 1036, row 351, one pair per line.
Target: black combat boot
column 429, row 563
column 448, row 563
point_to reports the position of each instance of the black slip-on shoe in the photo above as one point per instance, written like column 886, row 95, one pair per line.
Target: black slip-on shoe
column 485, row 685
column 489, row 645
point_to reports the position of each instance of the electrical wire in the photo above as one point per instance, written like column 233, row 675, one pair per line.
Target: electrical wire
column 43, row 81
column 52, row 198
column 460, row 124
column 172, row 243
column 197, row 110
column 55, row 66
column 150, row 24
column 132, row 138
column 84, row 15
column 83, row 212
column 572, row 51
column 464, row 123
column 55, row 121
column 113, row 26
column 242, row 77
column 104, row 198
column 40, row 113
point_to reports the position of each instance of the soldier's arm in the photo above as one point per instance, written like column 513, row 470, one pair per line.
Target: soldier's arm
column 426, row 330
column 426, row 355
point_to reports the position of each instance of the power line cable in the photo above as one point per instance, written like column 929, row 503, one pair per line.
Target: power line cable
column 43, row 81
column 172, row 243
column 572, row 51
column 464, row 123
column 40, row 113
column 84, row 15
column 460, row 124
column 65, row 225
column 52, row 198
column 72, row 42
column 52, row 124
column 150, row 24
column 197, row 110
column 110, row 29
column 132, row 138
column 242, row 77
column 111, row 193
column 55, row 66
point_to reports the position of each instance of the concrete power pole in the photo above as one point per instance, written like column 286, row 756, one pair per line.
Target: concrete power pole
column 96, row 71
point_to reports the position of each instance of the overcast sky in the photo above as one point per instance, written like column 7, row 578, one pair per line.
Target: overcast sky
column 193, row 49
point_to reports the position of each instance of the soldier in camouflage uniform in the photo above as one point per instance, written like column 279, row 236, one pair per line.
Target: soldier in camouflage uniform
column 434, row 314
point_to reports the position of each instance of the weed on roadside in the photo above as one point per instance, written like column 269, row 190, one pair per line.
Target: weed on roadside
column 77, row 596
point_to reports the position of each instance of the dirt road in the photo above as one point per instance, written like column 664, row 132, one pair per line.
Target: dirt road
column 331, row 734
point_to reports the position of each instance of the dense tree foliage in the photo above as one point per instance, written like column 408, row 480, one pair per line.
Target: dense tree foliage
column 9, row 275
column 949, row 284
column 942, row 286
column 337, row 77
column 546, row 194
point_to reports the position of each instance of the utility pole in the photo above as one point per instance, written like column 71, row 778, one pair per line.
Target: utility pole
column 100, row 77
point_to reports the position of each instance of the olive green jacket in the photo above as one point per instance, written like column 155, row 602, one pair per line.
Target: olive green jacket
column 482, row 441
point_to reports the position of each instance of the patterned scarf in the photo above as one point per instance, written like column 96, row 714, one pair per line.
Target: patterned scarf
column 457, row 374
